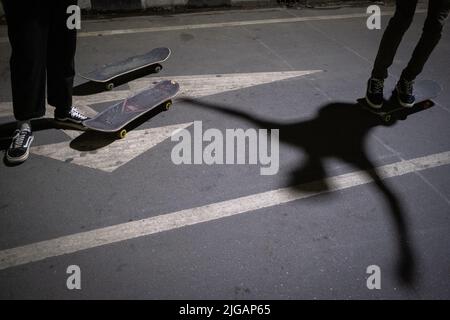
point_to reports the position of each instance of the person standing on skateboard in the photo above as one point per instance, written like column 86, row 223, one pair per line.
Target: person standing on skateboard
column 438, row 11
column 43, row 52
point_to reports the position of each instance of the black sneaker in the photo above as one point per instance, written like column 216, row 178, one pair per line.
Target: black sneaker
column 404, row 93
column 74, row 116
column 19, row 149
column 374, row 93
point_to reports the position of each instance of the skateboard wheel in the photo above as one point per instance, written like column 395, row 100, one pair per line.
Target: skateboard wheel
column 387, row 118
column 122, row 133
column 110, row 86
column 167, row 105
column 158, row 68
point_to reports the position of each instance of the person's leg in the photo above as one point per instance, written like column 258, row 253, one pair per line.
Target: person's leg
column 397, row 26
column 399, row 23
column 438, row 11
column 61, row 66
column 27, row 31
column 60, row 58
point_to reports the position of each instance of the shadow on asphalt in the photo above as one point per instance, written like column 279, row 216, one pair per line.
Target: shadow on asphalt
column 92, row 87
column 92, row 140
column 338, row 131
column 7, row 131
column 88, row 140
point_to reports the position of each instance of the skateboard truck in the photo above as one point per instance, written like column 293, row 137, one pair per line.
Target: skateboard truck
column 157, row 69
column 121, row 134
column 108, row 73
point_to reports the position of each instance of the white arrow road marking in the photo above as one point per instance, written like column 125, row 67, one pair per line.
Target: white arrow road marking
column 170, row 221
column 210, row 84
column 114, row 155
column 194, row 86
column 106, row 159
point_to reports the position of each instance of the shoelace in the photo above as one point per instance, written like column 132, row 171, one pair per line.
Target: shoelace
column 407, row 86
column 377, row 86
column 21, row 138
column 76, row 114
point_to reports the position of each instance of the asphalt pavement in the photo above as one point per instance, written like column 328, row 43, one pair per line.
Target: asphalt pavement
column 350, row 192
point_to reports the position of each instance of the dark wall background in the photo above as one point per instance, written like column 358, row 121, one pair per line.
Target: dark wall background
column 110, row 5
column 208, row 3
column 313, row 3
column 123, row 5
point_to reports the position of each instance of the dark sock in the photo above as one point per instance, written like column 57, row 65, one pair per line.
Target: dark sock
column 24, row 125
column 62, row 112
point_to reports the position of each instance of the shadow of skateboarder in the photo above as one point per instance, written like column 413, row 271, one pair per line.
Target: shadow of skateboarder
column 338, row 131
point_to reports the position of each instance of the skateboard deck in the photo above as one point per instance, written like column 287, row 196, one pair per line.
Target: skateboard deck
column 424, row 91
column 117, row 116
column 109, row 72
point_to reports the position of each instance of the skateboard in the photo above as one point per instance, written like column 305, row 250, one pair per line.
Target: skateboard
column 116, row 117
column 424, row 91
column 109, row 72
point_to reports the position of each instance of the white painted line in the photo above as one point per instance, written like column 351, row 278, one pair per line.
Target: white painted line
column 224, row 24
column 215, row 12
column 194, row 86
column 113, row 155
column 231, row 24
column 118, row 153
column 131, row 230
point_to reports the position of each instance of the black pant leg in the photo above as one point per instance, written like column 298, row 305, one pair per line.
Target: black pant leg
column 399, row 23
column 60, row 57
column 27, row 31
column 438, row 11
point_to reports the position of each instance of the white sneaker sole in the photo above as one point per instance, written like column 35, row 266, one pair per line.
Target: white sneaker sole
column 404, row 105
column 67, row 120
column 374, row 106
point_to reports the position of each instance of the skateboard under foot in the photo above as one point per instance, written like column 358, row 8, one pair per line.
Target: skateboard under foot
column 424, row 91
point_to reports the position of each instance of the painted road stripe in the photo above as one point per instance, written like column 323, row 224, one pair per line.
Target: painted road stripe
column 113, row 155
column 194, row 86
column 116, row 154
column 197, row 86
column 225, row 24
column 132, row 230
